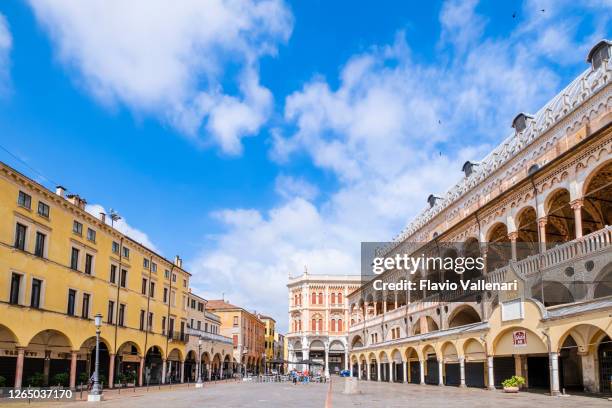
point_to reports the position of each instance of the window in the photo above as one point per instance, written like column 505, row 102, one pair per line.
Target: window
column 170, row 327
column 20, row 236
column 15, row 289
column 314, row 298
column 199, row 325
column 111, row 312
column 150, row 322
column 91, row 235
column 340, row 325
column 115, row 247
column 143, row 288
column 35, row 296
column 74, row 259
column 152, row 289
column 88, row 263
column 333, row 325
column 163, row 324
column 77, row 228
column 123, row 282
column 339, row 298
column 184, row 283
column 121, row 320
column 113, row 274
column 142, row 319
column 126, row 252
column 333, row 298
column 85, row 306
column 320, row 298
column 43, row 209
column 71, row 302
column 153, row 267
column 145, row 263
column 39, row 248
column 167, row 274
column 235, row 321
column 205, row 327
column 24, row 200
column 165, row 295
column 174, row 277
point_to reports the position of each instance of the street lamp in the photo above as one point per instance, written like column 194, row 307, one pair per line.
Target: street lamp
column 199, row 384
column 96, row 392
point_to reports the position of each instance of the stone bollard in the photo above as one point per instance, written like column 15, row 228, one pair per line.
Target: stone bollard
column 351, row 386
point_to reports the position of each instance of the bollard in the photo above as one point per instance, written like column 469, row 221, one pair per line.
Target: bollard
column 81, row 397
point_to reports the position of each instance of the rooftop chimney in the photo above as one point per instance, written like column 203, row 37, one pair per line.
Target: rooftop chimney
column 102, row 217
column 76, row 200
column 178, row 261
column 60, row 190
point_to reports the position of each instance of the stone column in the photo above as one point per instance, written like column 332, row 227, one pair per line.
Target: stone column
column 577, row 207
column 542, row 228
column 368, row 369
column 358, row 370
column 553, row 359
column 378, row 371
column 141, row 371
column 111, row 370
column 346, row 361
column 163, row 379
column 491, row 377
column 513, row 237
column 19, row 367
column 440, row 372
column 405, row 372
column 327, row 360
column 422, row 371
column 183, row 371
column 73, row 367
column 46, row 367
column 391, row 371
column 462, row 371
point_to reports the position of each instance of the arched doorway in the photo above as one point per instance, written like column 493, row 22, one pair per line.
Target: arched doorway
column 397, row 366
column 373, row 367
column 317, row 355
column 604, row 354
column 127, row 364
column 570, row 366
column 8, row 359
column 173, row 369
column 414, row 366
column 452, row 372
column 153, row 365
column 47, row 360
column 431, row 365
column 191, row 366
column 336, row 357
column 87, row 366
column 475, row 358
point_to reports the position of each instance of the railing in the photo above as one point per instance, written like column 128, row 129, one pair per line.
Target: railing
column 178, row 337
column 210, row 336
column 588, row 244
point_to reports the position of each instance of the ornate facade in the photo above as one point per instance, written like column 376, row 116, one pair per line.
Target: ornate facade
column 318, row 316
column 537, row 209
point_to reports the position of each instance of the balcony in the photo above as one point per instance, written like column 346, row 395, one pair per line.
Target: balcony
column 213, row 337
column 178, row 337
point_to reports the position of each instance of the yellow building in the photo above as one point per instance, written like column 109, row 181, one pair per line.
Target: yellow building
column 269, row 332
column 59, row 267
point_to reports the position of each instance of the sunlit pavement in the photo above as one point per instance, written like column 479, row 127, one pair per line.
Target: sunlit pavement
column 238, row 394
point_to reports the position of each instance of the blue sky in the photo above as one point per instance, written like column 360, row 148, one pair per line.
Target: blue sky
column 254, row 137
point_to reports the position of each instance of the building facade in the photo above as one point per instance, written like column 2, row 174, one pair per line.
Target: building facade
column 318, row 316
column 269, row 333
column 538, row 210
column 247, row 333
column 206, row 345
column 59, row 267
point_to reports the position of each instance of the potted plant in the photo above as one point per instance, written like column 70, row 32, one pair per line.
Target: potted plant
column 513, row 384
column 36, row 380
column 119, row 380
column 130, row 379
column 61, row 380
column 83, row 380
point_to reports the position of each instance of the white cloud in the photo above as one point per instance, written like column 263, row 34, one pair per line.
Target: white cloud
column 290, row 187
column 122, row 226
column 173, row 61
column 6, row 43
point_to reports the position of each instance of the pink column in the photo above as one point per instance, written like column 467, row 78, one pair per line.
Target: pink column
column 73, row 368
column 19, row 367
column 577, row 207
column 141, row 371
column 513, row 237
column 542, row 227
column 111, row 370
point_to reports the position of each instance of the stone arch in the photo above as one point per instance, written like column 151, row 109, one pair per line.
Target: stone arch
column 463, row 315
column 503, row 342
column 551, row 293
column 383, row 357
column 356, row 342
column 431, row 324
column 499, row 250
column 428, row 349
column 396, row 356
column 585, row 335
column 371, row 358
column 128, row 347
column 51, row 338
column 175, row 355
column 527, row 240
column 473, row 350
column 560, row 225
column 411, row 354
column 603, row 282
column 449, row 352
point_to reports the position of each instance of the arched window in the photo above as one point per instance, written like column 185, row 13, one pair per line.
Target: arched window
column 314, row 298
column 299, row 325
column 320, row 324
column 314, row 325
column 320, row 298
column 340, row 298
column 333, row 298
column 333, row 325
column 339, row 325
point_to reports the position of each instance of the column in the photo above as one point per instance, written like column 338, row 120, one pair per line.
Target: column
column 209, row 371
column 46, row 367
column 577, row 207
column 346, row 361
column 405, row 368
column 462, row 371
column 19, row 367
column 391, row 371
column 358, row 369
column 377, row 370
column 163, row 379
column 73, row 367
column 440, row 372
column 141, row 371
column 327, row 360
column 183, row 371
column 422, row 371
column 513, row 237
column 491, row 377
column 111, row 370
column 368, row 371
column 542, row 228
column 553, row 358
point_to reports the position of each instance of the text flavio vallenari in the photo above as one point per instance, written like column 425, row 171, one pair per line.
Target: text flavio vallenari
column 431, row 285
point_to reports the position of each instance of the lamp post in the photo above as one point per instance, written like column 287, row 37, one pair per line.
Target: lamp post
column 96, row 393
column 199, row 383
